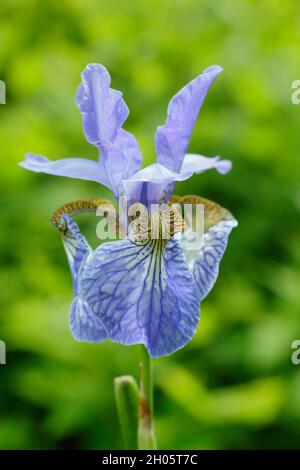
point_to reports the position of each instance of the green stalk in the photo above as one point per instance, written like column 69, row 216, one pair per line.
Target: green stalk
column 147, row 377
column 146, row 431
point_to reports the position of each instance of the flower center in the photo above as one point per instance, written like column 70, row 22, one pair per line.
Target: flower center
column 161, row 223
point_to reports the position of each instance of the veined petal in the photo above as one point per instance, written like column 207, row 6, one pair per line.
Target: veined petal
column 172, row 139
column 103, row 115
column 206, row 265
column 80, row 168
column 114, row 165
column 85, row 326
column 76, row 247
column 204, row 253
column 127, row 143
column 142, row 294
column 103, row 109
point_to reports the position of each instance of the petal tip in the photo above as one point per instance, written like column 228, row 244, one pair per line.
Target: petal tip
column 215, row 69
column 224, row 166
column 33, row 162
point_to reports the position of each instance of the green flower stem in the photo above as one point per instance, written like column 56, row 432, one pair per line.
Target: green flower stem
column 146, row 431
column 147, row 377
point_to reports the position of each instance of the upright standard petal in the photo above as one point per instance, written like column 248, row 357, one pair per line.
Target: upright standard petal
column 80, row 168
column 127, row 143
column 103, row 115
column 103, row 108
column 85, row 326
column 142, row 294
column 172, row 138
column 114, row 165
column 203, row 252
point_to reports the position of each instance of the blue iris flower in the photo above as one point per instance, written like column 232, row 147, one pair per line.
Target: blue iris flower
column 132, row 291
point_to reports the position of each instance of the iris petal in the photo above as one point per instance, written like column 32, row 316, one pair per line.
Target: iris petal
column 193, row 163
column 155, row 183
column 172, row 138
column 207, row 261
column 103, row 108
column 76, row 247
column 127, row 143
column 142, row 294
column 80, row 168
column 103, row 115
column 85, row 326
column 203, row 252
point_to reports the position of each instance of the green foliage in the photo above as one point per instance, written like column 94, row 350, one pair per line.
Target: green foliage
column 234, row 385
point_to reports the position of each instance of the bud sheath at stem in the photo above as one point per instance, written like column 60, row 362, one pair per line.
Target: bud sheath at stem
column 127, row 398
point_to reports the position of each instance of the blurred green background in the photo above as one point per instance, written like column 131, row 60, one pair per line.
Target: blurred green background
column 234, row 385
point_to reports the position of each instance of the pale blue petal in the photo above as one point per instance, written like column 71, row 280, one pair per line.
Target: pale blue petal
column 127, row 143
column 206, row 267
column 155, row 183
column 147, row 185
column 103, row 115
column 194, row 163
column 80, row 168
column 103, row 109
column 172, row 139
column 84, row 324
column 204, row 260
column 142, row 294
column 114, row 165
column 76, row 247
